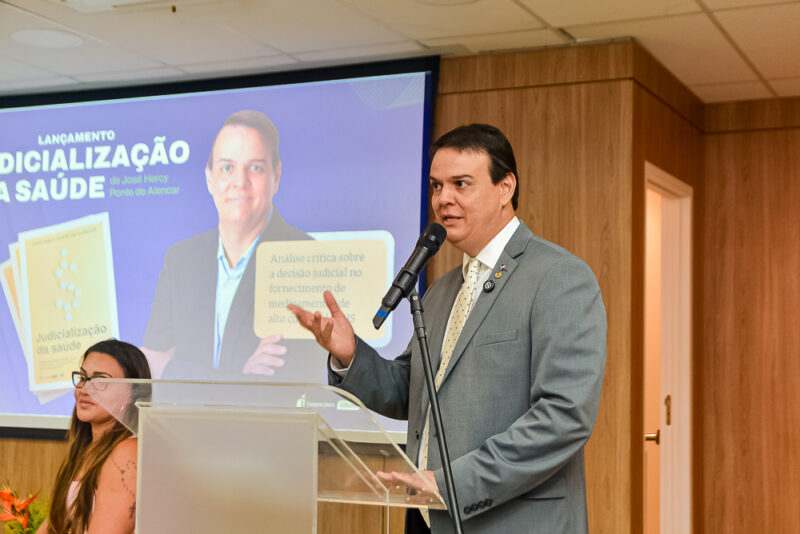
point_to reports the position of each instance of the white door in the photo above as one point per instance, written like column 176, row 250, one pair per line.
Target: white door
column 667, row 368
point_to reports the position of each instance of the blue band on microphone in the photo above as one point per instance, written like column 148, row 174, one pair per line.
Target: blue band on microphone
column 382, row 313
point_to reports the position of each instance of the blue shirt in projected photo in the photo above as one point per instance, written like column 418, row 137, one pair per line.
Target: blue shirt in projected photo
column 228, row 279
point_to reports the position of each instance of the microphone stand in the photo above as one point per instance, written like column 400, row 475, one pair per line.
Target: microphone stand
column 422, row 339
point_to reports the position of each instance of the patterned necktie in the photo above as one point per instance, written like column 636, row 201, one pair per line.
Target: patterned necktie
column 461, row 308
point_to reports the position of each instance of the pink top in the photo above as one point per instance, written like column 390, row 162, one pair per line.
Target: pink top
column 72, row 492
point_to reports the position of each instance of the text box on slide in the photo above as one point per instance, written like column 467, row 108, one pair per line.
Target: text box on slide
column 355, row 266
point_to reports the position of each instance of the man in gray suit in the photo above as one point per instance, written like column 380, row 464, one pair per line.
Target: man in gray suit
column 518, row 335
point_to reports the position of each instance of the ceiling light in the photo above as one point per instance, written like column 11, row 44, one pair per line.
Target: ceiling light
column 95, row 6
column 447, row 2
column 47, row 38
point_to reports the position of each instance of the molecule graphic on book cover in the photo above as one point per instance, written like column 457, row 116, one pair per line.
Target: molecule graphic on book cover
column 69, row 300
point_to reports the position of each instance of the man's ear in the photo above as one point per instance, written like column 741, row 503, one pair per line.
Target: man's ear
column 277, row 172
column 508, row 184
column 208, row 179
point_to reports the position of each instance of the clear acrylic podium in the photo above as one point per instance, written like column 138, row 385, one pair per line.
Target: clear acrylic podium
column 249, row 456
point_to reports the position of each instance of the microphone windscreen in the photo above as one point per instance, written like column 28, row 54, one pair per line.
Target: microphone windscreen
column 433, row 237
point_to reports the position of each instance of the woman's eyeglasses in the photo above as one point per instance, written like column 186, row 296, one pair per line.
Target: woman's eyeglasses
column 79, row 379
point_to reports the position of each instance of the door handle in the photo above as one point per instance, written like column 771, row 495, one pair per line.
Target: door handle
column 654, row 437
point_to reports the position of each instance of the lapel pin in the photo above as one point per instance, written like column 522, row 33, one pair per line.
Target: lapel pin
column 488, row 286
column 504, row 267
column 498, row 275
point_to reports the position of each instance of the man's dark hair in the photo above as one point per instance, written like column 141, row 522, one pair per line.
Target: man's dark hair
column 255, row 120
column 483, row 138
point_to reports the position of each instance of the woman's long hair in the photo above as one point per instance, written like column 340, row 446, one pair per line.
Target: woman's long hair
column 85, row 459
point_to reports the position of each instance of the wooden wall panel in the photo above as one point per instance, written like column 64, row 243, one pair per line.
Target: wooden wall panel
column 666, row 139
column 358, row 518
column 651, row 75
column 572, row 144
column 30, row 465
column 751, row 115
column 620, row 59
column 551, row 66
column 751, row 346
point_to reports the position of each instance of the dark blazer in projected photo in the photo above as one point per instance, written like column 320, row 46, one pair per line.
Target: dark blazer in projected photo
column 201, row 319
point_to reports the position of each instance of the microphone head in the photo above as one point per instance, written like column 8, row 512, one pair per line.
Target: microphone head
column 433, row 237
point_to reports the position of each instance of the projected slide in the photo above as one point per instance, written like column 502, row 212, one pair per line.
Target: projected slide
column 186, row 223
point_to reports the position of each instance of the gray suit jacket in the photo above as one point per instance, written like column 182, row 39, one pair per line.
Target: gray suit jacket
column 519, row 398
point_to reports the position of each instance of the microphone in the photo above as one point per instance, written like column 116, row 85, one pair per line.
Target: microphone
column 427, row 245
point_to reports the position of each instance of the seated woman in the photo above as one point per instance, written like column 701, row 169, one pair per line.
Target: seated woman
column 95, row 490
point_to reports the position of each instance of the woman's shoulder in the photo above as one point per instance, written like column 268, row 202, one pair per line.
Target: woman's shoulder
column 122, row 458
column 119, row 470
column 126, row 445
column 125, row 451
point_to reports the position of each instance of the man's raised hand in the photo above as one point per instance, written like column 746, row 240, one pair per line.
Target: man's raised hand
column 334, row 334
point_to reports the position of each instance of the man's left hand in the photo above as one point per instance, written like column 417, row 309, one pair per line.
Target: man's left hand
column 422, row 488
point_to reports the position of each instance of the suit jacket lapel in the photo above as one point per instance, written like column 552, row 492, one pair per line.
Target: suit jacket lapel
column 514, row 248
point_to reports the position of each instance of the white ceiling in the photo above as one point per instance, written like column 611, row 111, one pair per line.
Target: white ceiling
column 721, row 49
